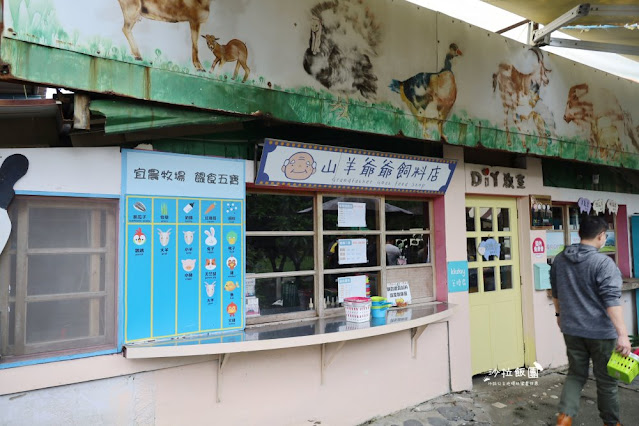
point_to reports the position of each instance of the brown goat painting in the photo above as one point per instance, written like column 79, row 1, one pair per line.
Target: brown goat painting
column 234, row 50
column 195, row 12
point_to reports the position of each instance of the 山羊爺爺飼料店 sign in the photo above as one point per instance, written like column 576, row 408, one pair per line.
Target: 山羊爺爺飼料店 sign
column 313, row 166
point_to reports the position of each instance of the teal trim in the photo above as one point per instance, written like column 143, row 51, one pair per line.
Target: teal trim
column 128, row 116
column 58, row 358
column 257, row 98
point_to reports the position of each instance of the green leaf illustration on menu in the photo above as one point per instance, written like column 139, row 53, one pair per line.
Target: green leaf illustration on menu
column 164, row 209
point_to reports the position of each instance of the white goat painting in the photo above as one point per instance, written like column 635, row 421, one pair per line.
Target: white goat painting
column 164, row 237
column 188, row 237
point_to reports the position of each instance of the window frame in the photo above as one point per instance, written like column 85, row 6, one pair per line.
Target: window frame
column 318, row 233
column 18, row 246
column 566, row 231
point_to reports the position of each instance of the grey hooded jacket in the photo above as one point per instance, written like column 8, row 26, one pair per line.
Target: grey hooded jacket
column 586, row 282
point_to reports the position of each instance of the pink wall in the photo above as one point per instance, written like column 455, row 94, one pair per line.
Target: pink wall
column 623, row 236
column 441, row 270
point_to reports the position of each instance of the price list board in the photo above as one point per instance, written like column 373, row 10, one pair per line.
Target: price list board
column 184, row 258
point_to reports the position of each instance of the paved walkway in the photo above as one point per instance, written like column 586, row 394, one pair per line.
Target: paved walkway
column 496, row 402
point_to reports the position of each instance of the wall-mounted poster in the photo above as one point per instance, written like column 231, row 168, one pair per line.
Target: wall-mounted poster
column 183, row 245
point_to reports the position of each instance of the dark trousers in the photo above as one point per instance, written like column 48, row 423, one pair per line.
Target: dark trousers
column 580, row 351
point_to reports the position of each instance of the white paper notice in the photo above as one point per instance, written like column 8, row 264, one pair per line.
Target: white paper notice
column 352, row 215
column 395, row 291
column 352, row 251
column 351, row 287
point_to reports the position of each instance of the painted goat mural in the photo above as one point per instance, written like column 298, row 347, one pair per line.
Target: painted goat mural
column 234, row 51
column 599, row 118
column 331, row 63
column 521, row 98
column 195, row 12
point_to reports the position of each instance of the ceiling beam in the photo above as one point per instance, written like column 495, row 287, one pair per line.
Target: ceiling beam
column 542, row 37
column 622, row 49
column 513, row 26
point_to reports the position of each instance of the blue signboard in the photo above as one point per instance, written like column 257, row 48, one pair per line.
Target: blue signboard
column 184, row 253
column 314, row 166
column 457, row 276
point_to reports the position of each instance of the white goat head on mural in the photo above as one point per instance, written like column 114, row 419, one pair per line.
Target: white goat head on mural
column 188, row 237
column 164, row 237
column 210, row 289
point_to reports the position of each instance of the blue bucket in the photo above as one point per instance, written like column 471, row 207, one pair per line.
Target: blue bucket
column 379, row 312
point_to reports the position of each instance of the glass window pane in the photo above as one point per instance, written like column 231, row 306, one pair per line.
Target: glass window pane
column 557, row 218
column 505, row 253
column 573, row 217
column 574, row 238
column 486, row 218
column 503, row 220
column 506, row 277
column 62, row 320
column 610, row 218
column 489, row 279
column 555, row 242
column 271, row 212
column 279, row 254
column 330, row 212
column 12, row 323
column 406, row 215
column 61, row 273
column 473, row 286
column 611, row 243
column 284, row 295
column 471, row 248
column 331, row 287
column 60, row 227
column 351, row 251
column 407, row 249
column 470, row 219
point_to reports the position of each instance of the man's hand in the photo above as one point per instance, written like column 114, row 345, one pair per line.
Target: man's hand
column 623, row 342
column 623, row 345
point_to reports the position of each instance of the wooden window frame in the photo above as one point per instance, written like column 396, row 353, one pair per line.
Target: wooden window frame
column 318, row 233
column 18, row 247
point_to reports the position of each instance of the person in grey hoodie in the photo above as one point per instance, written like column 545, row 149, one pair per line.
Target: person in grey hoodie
column 586, row 291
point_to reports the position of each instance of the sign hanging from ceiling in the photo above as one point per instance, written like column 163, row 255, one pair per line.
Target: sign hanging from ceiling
column 314, row 166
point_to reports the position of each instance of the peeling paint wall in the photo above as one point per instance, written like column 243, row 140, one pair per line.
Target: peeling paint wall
column 337, row 63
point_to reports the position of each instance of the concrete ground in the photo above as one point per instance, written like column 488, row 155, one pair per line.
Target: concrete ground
column 493, row 401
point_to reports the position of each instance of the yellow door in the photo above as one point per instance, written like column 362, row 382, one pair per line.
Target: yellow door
column 494, row 284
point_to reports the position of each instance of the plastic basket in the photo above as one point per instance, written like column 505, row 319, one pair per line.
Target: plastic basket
column 623, row 368
column 358, row 309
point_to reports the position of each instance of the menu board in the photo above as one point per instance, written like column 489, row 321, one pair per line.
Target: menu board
column 184, row 258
